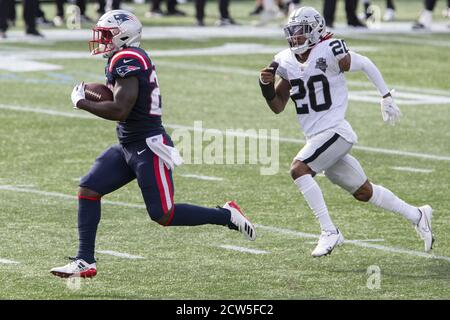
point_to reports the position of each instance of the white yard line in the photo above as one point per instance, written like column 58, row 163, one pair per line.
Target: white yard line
column 7, row 261
column 262, row 227
column 358, row 243
column 243, row 249
column 119, row 254
column 80, row 115
column 66, row 196
column 273, row 31
column 368, row 240
column 199, row 177
column 409, row 169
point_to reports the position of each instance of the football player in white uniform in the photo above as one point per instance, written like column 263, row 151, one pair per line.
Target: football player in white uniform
column 311, row 73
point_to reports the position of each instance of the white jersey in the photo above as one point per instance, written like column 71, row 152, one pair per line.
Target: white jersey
column 318, row 88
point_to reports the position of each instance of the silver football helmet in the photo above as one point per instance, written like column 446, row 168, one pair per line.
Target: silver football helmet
column 304, row 29
column 115, row 30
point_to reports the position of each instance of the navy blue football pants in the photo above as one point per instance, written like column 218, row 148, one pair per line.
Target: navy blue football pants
column 121, row 164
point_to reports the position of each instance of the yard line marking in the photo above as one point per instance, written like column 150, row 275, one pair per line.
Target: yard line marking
column 243, row 249
column 119, row 254
column 6, row 261
column 409, row 169
column 403, row 40
column 68, row 197
column 358, row 243
column 48, row 112
column 248, row 31
column 267, row 228
column 368, row 240
column 252, row 73
column 410, row 92
column 359, row 240
column 190, row 128
column 199, row 177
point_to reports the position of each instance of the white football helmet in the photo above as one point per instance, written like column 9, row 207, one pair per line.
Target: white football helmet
column 115, row 30
column 305, row 22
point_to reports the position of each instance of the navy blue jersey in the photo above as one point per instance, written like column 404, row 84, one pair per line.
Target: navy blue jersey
column 144, row 119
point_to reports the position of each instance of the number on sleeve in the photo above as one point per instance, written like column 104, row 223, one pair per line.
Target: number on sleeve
column 338, row 47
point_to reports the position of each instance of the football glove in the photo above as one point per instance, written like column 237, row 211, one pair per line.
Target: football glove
column 389, row 110
column 78, row 94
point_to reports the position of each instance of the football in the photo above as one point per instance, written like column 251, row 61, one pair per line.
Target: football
column 98, row 92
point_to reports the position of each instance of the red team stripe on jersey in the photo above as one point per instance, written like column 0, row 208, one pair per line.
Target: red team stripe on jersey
column 130, row 54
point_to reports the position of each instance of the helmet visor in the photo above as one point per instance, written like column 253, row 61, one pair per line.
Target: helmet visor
column 297, row 29
column 297, row 34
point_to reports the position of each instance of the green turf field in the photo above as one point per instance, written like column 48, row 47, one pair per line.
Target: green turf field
column 46, row 146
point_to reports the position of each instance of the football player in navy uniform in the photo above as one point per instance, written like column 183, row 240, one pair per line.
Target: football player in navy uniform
column 145, row 151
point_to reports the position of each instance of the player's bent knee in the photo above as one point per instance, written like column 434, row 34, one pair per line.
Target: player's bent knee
column 88, row 193
column 299, row 169
column 158, row 215
column 364, row 193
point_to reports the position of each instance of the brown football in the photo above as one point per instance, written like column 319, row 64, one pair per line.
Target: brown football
column 98, row 92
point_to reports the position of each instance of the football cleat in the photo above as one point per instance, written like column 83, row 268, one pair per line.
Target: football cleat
column 240, row 220
column 76, row 268
column 423, row 228
column 327, row 242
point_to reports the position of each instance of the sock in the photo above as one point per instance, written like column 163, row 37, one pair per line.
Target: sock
column 313, row 196
column 190, row 215
column 385, row 199
column 426, row 18
column 88, row 218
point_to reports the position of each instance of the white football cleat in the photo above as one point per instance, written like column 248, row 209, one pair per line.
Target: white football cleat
column 76, row 268
column 423, row 228
column 240, row 220
column 327, row 242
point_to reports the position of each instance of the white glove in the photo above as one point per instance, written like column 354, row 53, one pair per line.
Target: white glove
column 78, row 94
column 389, row 110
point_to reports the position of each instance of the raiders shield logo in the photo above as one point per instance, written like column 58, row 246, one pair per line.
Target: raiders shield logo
column 321, row 64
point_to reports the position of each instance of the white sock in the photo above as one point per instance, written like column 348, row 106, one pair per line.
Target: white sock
column 385, row 199
column 426, row 17
column 313, row 196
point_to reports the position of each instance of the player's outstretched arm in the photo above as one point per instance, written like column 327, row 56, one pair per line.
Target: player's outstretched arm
column 356, row 62
column 125, row 95
column 276, row 96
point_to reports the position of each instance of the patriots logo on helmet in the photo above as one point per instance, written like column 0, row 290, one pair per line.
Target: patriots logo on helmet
column 121, row 18
column 123, row 70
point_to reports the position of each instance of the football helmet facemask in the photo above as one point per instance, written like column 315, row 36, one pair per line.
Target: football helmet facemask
column 115, row 30
column 304, row 29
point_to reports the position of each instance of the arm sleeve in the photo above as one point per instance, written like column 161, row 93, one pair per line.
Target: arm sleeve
column 362, row 63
